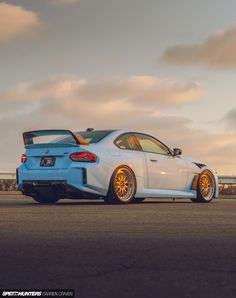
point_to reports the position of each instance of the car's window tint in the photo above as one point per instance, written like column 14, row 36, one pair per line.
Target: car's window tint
column 94, row 136
column 91, row 137
column 127, row 141
column 150, row 144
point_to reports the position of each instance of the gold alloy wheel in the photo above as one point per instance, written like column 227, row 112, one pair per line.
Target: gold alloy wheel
column 124, row 184
column 207, row 186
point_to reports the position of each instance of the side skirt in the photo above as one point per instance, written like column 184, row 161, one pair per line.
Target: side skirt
column 166, row 193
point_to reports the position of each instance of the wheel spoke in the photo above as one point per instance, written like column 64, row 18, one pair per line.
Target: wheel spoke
column 124, row 184
column 206, row 184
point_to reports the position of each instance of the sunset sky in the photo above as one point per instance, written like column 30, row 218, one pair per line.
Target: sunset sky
column 163, row 66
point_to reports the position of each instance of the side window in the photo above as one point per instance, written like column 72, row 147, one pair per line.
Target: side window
column 127, row 141
column 149, row 144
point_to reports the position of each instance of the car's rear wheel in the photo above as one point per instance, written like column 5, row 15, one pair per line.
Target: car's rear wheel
column 46, row 198
column 138, row 200
column 205, row 187
column 122, row 186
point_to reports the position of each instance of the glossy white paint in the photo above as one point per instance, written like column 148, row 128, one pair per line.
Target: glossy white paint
column 167, row 176
column 166, row 172
column 157, row 175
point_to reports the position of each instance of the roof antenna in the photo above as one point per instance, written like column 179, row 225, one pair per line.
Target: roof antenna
column 90, row 129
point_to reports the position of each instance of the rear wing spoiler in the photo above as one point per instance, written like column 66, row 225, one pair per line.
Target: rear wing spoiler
column 29, row 136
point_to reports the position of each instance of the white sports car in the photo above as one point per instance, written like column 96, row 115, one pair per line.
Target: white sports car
column 120, row 166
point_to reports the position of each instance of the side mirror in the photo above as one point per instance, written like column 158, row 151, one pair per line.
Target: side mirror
column 177, row 151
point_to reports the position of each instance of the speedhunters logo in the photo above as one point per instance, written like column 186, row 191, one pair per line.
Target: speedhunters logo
column 37, row 293
column 21, row 293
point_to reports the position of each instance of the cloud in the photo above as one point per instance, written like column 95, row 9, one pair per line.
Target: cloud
column 69, row 102
column 65, row 2
column 15, row 21
column 218, row 50
column 230, row 119
column 140, row 90
column 72, row 103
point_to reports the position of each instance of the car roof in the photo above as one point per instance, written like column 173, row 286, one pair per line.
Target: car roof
column 114, row 133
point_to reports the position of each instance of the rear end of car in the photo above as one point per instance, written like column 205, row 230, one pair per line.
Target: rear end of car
column 57, row 162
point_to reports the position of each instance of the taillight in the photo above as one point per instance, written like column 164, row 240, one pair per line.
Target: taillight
column 23, row 158
column 83, row 157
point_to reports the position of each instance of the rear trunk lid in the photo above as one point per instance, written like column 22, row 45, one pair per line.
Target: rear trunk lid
column 51, row 149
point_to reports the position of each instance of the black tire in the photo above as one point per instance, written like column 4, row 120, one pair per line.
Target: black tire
column 107, row 200
column 122, row 188
column 138, row 200
column 46, row 198
column 205, row 187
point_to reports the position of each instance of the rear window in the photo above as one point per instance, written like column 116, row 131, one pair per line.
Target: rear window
column 94, row 136
column 90, row 136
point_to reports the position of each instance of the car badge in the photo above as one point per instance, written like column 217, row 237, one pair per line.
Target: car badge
column 47, row 152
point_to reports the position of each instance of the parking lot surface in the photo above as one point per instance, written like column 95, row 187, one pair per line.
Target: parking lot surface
column 158, row 248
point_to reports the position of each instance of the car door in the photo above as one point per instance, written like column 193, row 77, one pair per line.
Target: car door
column 133, row 155
column 165, row 171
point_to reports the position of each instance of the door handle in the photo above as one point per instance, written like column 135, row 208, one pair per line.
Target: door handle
column 154, row 160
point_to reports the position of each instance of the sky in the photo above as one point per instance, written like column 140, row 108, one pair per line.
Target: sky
column 161, row 66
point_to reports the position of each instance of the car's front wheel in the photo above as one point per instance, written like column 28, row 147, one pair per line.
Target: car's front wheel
column 46, row 198
column 205, row 187
column 122, row 187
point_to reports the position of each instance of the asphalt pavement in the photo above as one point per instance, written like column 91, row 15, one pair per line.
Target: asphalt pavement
column 158, row 248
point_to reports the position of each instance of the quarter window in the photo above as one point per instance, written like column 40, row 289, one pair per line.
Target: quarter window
column 127, row 141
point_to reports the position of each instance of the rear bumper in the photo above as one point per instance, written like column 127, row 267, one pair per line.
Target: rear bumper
column 73, row 182
column 58, row 187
